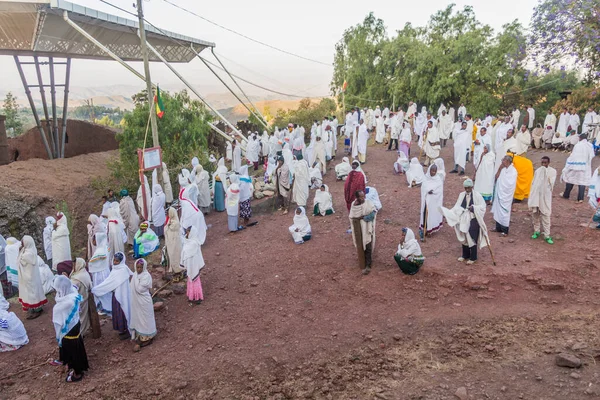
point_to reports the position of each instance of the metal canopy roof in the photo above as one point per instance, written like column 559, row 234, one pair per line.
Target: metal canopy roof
column 37, row 28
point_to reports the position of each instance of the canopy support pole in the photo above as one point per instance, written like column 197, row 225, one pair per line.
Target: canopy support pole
column 65, row 106
column 43, row 95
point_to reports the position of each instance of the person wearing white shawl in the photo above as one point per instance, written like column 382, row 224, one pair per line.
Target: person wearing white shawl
column 445, row 126
column 482, row 139
column 146, row 212
column 228, row 151
column 99, row 269
column 193, row 261
column 462, row 138
column 363, row 218
column 575, row 121
column 80, row 277
column 550, row 120
column 462, row 112
column 115, row 233
column 300, row 230
column 501, row 131
column 323, row 202
column 405, row 138
column 402, row 163
column 201, row 182
column 246, row 190
column 441, row 167
column 432, row 199
column 11, row 259
column 173, row 242
column 343, row 169
column 409, row 256
column 466, row 217
column 236, row 154
column 46, row 275
column 117, row 283
column 166, row 185
column 219, row 182
column 61, row 245
column 252, row 151
column 13, row 335
column 578, row 168
column 431, row 143
column 563, row 125
column 190, row 213
column 441, row 110
column 158, row 210
column 288, row 158
column 506, row 183
column 232, row 203
column 485, row 174
column 145, row 242
column 47, row 234
column 420, row 125
column 319, row 155
column 67, row 325
column 540, row 199
column 523, row 138
column 31, row 291
column 301, row 182
column 415, row 175
column 142, row 324
column 129, row 216
column 380, row 129
column 372, row 195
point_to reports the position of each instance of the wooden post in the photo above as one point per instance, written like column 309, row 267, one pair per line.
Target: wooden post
column 357, row 232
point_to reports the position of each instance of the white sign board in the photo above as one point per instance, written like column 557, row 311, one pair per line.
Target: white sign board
column 152, row 159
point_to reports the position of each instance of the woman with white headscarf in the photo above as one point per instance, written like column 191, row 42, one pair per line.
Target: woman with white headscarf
column 300, row 231
column 485, row 175
column 252, row 151
column 31, row 291
column 203, row 189
column 117, row 207
column 13, row 335
column 193, row 261
column 343, row 169
column 46, row 275
column 219, row 181
column 432, row 199
column 47, row 234
column 402, row 163
column 173, row 242
column 82, row 279
column 11, row 258
column 190, row 213
column 67, row 325
column 441, row 167
column 301, row 182
column 115, row 233
column 158, row 211
column 415, row 175
column 61, row 244
column 146, row 212
column 142, row 324
column 232, row 202
column 117, row 284
column 167, row 187
column 99, row 268
column 129, row 216
column 323, row 202
column 409, row 256
column 246, row 189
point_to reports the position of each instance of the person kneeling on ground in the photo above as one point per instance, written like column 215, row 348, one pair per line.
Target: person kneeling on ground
column 300, row 231
column 409, row 256
column 145, row 241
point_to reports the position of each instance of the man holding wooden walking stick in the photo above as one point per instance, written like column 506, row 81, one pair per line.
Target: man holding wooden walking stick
column 362, row 218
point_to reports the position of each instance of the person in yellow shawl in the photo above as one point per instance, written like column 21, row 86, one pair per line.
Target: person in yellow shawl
column 524, row 168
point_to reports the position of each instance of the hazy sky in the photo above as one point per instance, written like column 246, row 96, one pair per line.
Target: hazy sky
column 307, row 27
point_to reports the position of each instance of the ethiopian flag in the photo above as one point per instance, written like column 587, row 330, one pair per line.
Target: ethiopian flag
column 160, row 107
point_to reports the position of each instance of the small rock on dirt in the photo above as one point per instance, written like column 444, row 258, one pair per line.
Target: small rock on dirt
column 575, row 375
column 461, row 393
column 159, row 306
column 178, row 288
column 181, row 385
column 165, row 293
column 476, row 283
column 568, row 360
column 254, row 284
column 551, row 286
column 397, row 337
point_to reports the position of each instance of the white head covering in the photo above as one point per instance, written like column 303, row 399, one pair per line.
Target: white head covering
column 12, row 331
column 232, row 200
column 99, row 261
column 65, row 314
column 301, row 221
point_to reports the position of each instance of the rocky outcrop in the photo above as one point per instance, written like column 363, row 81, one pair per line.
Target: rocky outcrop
column 19, row 216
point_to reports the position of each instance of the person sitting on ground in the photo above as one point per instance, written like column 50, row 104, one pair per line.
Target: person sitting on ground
column 570, row 141
column 409, row 256
column 415, row 174
column 143, row 324
column 13, row 335
column 402, row 163
column 300, row 231
column 323, row 203
column 343, row 169
column 145, row 241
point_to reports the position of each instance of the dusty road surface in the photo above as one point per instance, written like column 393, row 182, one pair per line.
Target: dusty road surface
column 282, row 321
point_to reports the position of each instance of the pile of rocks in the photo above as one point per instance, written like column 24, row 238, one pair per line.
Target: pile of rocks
column 263, row 190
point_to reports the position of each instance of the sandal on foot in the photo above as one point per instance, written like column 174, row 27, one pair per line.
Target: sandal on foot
column 72, row 378
column 56, row 363
column 34, row 314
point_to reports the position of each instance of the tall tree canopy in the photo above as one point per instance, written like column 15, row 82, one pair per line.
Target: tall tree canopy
column 454, row 58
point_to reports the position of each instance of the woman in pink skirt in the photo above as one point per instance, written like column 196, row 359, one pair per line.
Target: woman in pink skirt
column 193, row 262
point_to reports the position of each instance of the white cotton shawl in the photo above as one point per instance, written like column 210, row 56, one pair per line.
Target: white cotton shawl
column 324, row 200
column 433, row 201
column 158, row 206
column 11, row 258
column 61, row 245
column 372, row 195
column 115, row 233
column 486, row 174
column 578, row 168
column 65, row 314
column 503, row 196
column 142, row 311
column 31, row 291
column 12, row 330
column 147, row 212
column 46, row 275
column 173, row 241
column 117, row 282
column 232, row 199
column 130, row 217
column 50, row 221
column 245, row 184
column 301, row 223
column 301, row 183
column 202, row 185
column 540, row 195
column 343, row 168
column 410, row 246
column 191, row 215
column 460, row 219
column 99, row 261
column 415, row 172
column 367, row 227
column 191, row 254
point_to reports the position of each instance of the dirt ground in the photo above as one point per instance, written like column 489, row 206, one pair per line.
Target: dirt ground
column 282, row 321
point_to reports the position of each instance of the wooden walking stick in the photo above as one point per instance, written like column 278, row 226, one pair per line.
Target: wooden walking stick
column 489, row 246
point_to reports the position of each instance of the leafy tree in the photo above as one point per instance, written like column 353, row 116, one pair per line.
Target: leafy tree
column 11, row 111
column 580, row 99
column 182, row 131
column 106, row 121
column 566, row 28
